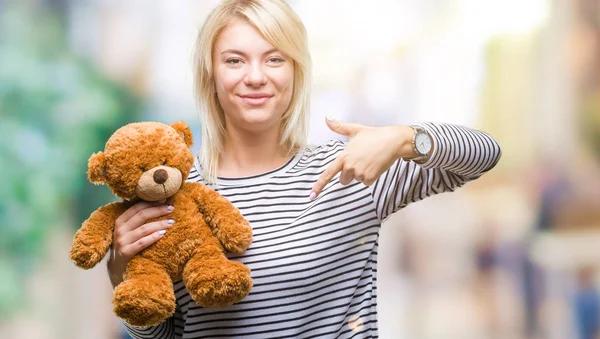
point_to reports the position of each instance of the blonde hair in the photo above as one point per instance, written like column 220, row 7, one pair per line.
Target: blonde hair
column 283, row 29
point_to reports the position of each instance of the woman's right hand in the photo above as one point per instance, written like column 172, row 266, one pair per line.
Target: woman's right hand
column 132, row 234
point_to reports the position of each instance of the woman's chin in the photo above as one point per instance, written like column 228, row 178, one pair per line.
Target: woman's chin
column 258, row 119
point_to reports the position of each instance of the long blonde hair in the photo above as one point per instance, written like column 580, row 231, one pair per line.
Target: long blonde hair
column 283, row 29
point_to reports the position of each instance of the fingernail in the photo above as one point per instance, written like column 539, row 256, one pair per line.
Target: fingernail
column 329, row 118
column 170, row 221
column 170, row 208
column 162, row 232
column 312, row 196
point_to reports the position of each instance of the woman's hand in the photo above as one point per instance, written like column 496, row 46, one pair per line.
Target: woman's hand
column 132, row 234
column 370, row 152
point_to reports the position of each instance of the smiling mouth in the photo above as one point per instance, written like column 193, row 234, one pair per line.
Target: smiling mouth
column 255, row 101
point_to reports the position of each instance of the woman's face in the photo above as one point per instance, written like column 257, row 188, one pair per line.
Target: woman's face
column 253, row 80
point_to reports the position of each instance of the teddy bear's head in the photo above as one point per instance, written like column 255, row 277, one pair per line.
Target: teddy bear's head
column 145, row 160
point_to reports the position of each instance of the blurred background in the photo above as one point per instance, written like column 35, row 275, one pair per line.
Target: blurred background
column 512, row 255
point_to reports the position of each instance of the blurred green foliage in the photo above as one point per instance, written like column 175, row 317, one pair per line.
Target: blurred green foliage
column 56, row 109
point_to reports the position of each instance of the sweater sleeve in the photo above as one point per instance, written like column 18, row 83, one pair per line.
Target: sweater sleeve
column 460, row 155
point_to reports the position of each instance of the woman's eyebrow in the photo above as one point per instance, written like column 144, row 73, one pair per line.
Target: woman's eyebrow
column 237, row 51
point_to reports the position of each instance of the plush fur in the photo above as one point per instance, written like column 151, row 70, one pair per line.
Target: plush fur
column 150, row 161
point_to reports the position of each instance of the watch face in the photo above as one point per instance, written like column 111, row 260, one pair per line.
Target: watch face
column 423, row 143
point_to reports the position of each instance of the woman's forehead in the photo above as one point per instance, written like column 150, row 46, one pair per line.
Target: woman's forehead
column 239, row 36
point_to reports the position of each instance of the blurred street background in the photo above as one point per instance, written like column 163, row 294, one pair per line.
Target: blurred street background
column 513, row 255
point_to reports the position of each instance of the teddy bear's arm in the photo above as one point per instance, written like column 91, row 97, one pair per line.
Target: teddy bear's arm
column 225, row 220
column 92, row 240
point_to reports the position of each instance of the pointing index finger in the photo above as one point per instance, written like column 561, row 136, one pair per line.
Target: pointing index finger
column 334, row 168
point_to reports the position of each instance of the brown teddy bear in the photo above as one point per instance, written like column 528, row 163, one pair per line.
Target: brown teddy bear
column 150, row 161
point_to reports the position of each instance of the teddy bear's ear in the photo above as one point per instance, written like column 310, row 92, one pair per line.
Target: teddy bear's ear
column 184, row 130
column 96, row 168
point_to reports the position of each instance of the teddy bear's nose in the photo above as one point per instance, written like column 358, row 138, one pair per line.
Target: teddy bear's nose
column 160, row 176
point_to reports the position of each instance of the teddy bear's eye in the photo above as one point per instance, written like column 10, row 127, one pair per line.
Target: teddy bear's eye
column 143, row 168
column 164, row 162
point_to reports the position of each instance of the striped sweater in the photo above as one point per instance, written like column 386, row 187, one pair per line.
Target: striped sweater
column 314, row 263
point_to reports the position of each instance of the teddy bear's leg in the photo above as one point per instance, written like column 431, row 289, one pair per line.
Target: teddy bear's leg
column 213, row 280
column 146, row 296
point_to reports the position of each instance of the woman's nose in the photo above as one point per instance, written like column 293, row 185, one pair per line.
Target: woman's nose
column 255, row 76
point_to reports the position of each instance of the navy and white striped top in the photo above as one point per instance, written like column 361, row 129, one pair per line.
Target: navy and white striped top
column 314, row 263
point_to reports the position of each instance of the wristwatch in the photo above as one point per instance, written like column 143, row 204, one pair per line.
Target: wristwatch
column 422, row 144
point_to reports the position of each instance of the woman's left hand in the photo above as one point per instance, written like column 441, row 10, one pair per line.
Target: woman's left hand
column 369, row 153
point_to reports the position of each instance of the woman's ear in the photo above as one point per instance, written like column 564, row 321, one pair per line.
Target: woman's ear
column 184, row 130
column 97, row 168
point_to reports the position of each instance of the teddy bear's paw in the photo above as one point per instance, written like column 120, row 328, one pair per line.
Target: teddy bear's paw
column 220, row 283
column 141, row 303
column 238, row 242
column 85, row 256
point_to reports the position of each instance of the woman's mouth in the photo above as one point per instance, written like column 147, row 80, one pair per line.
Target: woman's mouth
column 255, row 99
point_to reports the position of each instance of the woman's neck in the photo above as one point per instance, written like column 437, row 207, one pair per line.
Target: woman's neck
column 248, row 154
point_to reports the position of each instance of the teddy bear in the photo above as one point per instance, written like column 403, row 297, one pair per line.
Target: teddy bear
column 150, row 161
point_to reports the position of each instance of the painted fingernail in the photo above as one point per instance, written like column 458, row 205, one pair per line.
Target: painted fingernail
column 312, row 196
column 170, row 221
column 170, row 208
column 162, row 232
column 329, row 118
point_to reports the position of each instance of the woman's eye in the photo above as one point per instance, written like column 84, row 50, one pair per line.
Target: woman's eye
column 233, row 61
column 276, row 60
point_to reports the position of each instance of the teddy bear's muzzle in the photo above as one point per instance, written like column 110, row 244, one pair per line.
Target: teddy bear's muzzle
column 158, row 183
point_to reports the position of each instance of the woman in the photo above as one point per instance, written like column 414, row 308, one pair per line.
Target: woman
column 315, row 212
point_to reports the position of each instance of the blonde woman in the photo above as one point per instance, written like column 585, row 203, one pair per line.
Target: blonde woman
column 315, row 212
